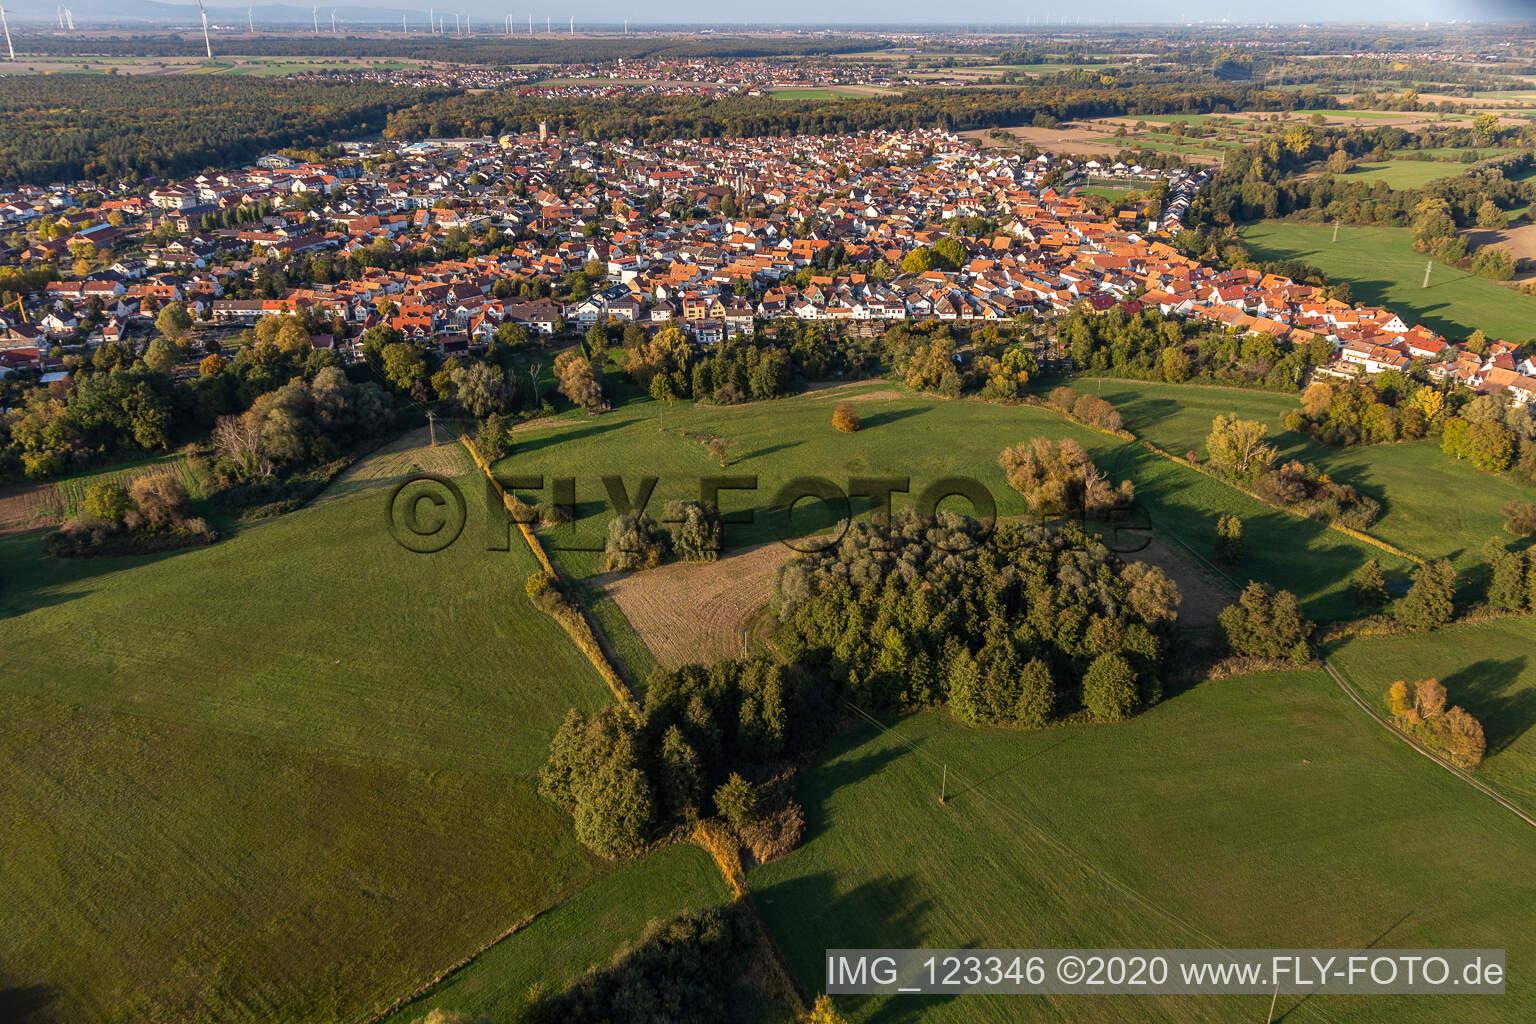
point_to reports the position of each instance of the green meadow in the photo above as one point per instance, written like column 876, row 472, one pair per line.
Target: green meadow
column 291, row 769
column 1260, row 811
column 904, row 435
column 1411, row 479
column 588, row 930
column 1405, row 174
column 1383, row 269
column 1489, row 668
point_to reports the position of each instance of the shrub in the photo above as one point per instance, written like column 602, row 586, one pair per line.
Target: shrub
column 1109, row 688
column 1229, row 539
column 1430, row 601
column 634, row 542
column 775, row 834
column 1096, row 412
column 1420, row 710
column 1520, row 518
column 1058, row 478
column 107, row 500
column 1507, row 584
column 1368, row 587
column 736, row 800
column 1266, row 623
column 845, row 418
column 695, row 529
column 494, row 436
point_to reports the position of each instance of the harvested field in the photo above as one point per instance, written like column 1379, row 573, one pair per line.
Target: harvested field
column 72, row 491
column 696, row 613
column 407, row 455
column 29, row 507
column 1519, row 240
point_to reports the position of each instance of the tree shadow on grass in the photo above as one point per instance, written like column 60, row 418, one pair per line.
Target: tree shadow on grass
column 767, row 450
column 27, row 1004
column 887, row 416
column 889, row 913
column 521, row 446
column 30, row 579
column 1490, row 691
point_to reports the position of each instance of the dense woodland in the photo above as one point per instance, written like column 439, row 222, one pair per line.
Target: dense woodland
column 66, row 127
column 667, row 117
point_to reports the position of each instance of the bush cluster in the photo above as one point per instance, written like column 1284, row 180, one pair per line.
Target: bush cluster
column 1419, row 709
column 1029, row 626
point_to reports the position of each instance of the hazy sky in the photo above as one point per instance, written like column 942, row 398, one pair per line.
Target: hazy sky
column 979, row 13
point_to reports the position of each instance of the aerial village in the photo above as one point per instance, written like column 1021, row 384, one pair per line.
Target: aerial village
column 718, row 237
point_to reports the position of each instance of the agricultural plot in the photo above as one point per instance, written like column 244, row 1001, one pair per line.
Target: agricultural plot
column 270, row 753
column 904, row 435
column 587, row 930
column 1405, row 174
column 1410, row 479
column 1259, row 811
column 1382, row 268
column 1489, row 668
column 73, row 489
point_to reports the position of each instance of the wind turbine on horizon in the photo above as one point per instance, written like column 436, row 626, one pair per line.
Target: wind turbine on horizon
column 207, row 42
column 7, row 26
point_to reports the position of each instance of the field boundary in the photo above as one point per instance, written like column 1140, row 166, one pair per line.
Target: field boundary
column 581, row 627
column 432, row 984
column 1341, row 679
column 1366, row 538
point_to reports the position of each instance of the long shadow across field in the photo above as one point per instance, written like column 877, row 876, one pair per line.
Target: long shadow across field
column 1488, row 690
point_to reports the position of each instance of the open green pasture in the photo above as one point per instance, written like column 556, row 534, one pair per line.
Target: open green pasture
column 286, row 775
column 1382, row 269
column 1260, row 811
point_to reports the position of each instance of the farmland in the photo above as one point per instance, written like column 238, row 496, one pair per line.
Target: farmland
column 1383, row 269
column 1487, row 668
column 904, row 435
column 586, row 930
column 1409, row 479
column 270, row 753
column 1404, row 173
column 1262, row 810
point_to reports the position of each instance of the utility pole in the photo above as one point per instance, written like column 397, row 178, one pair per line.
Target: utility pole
column 432, row 426
column 1427, row 267
column 7, row 25
column 943, row 785
column 1335, row 230
column 1269, row 1018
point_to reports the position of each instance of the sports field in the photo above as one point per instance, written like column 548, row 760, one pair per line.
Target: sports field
column 1383, row 269
column 231, row 770
column 1489, row 668
column 1260, row 811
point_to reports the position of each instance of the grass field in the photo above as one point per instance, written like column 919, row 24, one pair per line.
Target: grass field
column 584, row 931
column 1405, row 174
column 1383, row 269
column 904, row 435
column 810, row 94
column 291, row 769
column 1411, row 480
column 1489, row 668
column 1261, row 811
